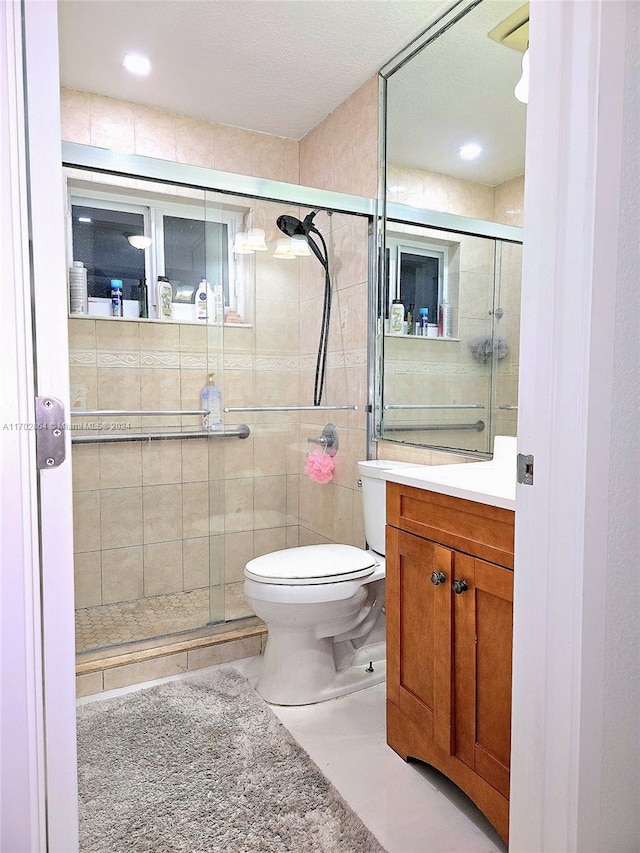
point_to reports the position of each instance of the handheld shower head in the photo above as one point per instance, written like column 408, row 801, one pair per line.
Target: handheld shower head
column 294, row 227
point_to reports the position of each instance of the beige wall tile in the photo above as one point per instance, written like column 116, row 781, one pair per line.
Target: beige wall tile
column 87, row 579
column 159, row 337
column 343, row 510
column 82, row 333
column 88, row 684
column 75, row 115
column 224, row 652
column 137, row 673
column 268, row 541
column 238, row 550
column 195, row 141
column 84, row 387
column 86, row 521
column 270, row 450
column 112, row 124
column 118, row 388
column 195, row 461
column 195, row 562
column 161, row 462
column 121, row 517
column 117, row 336
column 163, row 568
column 122, row 574
column 233, row 149
column 238, row 505
column 85, row 463
column 196, row 509
column 292, row 536
column 239, row 458
column 162, row 507
column 270, row 502
column 120, row 465
column 160, row 389
column 292, row 161
column 155, row 133
column 193, row 338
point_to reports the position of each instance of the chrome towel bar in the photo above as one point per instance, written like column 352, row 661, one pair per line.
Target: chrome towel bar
column 434, row 406
column 289, row 408
column 138, row 412
column 478, row 426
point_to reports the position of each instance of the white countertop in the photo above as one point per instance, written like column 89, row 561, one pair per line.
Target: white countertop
column 492, row 482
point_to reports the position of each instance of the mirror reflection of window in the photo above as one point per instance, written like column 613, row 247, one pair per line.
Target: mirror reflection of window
column 100, row 241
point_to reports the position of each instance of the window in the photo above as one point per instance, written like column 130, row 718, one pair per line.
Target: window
column 188, row 243
column 417, row 275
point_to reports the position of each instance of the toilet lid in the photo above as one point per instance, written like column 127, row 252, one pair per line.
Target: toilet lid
column 311, row 564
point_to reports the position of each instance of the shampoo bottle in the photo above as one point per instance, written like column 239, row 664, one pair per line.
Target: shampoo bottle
column 117, row 302
column 211, row 400
column 78, row 303
column 397, row 316
column 203, row 301
column 164, row 296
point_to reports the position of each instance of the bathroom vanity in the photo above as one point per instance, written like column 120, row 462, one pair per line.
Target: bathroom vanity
column 450, row 537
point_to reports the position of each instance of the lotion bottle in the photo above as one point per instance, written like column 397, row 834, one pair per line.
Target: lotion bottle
column 211, row 399
column 164, row 296
column 203, row 301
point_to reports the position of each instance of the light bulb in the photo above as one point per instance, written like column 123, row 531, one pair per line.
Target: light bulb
column 521, row 91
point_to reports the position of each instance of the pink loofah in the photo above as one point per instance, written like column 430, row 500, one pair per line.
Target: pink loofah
column 319, row 466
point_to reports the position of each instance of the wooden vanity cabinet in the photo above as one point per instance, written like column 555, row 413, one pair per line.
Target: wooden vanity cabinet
column 448, row 652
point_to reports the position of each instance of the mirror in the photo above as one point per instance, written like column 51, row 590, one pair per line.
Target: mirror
column 454, row 183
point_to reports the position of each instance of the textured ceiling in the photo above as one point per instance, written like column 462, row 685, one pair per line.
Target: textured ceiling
column 281, row 66
column 277, row 66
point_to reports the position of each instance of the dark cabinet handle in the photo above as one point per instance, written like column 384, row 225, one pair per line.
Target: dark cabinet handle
column 460, row 586
column 437, row 578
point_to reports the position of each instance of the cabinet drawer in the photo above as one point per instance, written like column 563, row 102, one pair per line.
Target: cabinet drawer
column 478, row 529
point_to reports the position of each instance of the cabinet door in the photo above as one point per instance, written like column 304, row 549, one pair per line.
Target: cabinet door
column 483, row 627
column 419, row 645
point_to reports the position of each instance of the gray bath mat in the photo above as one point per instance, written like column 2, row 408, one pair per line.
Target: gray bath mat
column 204, row 765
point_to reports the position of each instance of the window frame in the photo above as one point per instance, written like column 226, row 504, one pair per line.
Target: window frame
column 404, row 244
column 154, row 211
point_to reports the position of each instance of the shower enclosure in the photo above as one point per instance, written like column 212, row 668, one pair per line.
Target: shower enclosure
column 167, row 513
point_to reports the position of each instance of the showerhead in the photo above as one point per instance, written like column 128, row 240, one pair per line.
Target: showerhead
column 294, row 227
column 291, row 226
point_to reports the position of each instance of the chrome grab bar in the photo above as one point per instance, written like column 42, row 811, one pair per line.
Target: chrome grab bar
column 241, row 431
column 127, row 412
column 434, row 406
column 478, row 426
column 289, row 408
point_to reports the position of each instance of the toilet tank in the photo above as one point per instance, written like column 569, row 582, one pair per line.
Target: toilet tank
column 374, row 503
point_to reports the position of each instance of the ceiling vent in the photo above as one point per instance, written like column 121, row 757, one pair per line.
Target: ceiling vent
column 513, row 32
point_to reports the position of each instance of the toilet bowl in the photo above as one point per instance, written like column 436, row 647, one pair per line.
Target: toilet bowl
column 324, row 609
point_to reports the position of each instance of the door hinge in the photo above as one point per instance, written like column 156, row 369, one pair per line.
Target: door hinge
column 525, row 469
column 50, row 447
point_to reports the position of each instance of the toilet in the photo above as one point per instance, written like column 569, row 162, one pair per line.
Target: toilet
column 324, row 609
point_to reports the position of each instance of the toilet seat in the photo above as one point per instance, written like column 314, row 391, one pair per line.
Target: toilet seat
column 311, row 564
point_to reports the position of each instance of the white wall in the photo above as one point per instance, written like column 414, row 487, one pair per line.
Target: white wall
column 620, row 793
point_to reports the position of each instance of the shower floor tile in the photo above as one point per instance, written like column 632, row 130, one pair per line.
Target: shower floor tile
column 128, row 621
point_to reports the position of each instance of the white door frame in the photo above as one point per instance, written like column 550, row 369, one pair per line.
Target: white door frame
column 575, row 142
column 39, row 789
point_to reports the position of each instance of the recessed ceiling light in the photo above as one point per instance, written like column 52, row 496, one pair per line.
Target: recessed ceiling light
column 470, row 151
column 136, row 63
column 84, row 219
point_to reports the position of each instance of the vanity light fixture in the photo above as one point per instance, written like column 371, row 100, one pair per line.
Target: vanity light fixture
column 284, row 250
column 470, row 151
column 136, row 63
column 255, row 240
column 300, row 246
column 241, row 244
column 139, row 241
column 521, row 91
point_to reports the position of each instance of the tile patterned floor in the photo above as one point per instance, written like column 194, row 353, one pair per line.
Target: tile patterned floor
column 127, row 621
